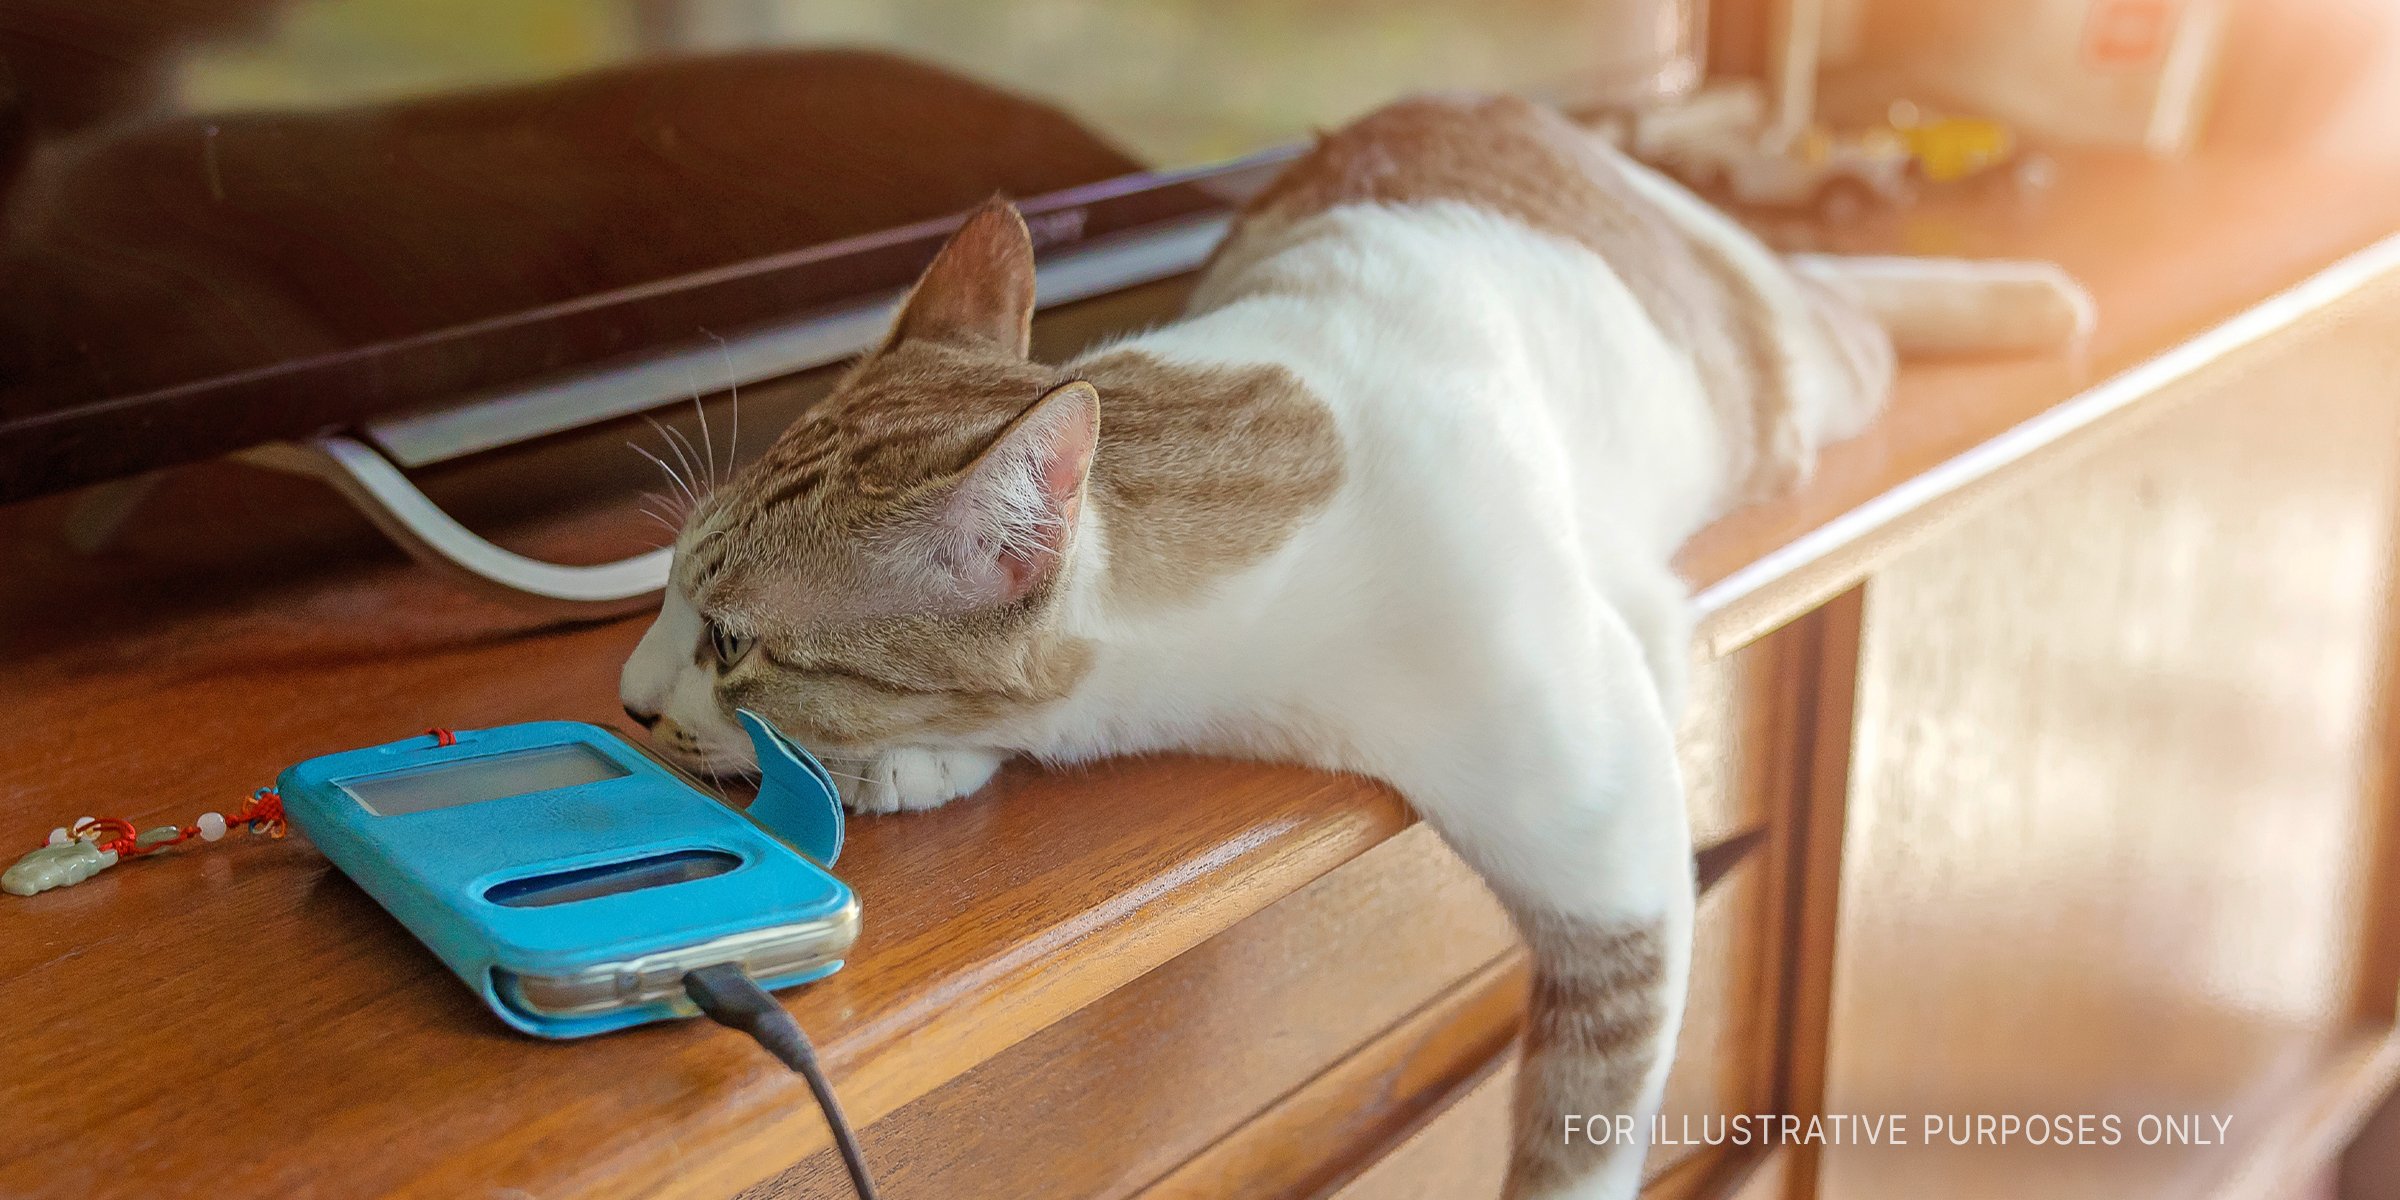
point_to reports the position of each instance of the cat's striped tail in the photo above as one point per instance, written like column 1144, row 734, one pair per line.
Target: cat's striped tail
column 1605, row 1006
column 1586, row 841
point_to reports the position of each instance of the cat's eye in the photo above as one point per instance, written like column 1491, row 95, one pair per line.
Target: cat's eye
column 730, row 647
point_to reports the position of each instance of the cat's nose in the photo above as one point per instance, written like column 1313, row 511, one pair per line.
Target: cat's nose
column 646, row 720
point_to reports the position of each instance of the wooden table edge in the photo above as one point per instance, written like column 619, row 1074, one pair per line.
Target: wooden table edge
column 1774, row 588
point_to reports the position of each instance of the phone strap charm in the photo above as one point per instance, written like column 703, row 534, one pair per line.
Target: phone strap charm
column 94, row 844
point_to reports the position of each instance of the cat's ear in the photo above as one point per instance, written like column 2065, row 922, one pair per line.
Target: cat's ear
column 1002, row 529
column 979, row 288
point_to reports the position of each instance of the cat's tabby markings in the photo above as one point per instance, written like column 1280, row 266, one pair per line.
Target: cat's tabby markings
column 1202, row 470
column 1397, row 496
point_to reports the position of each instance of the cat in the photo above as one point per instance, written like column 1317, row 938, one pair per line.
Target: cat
column 1397, row 496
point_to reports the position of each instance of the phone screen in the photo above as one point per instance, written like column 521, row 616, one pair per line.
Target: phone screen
column 475, row 780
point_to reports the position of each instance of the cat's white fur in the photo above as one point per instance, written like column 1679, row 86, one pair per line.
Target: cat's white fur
column 1485, row 614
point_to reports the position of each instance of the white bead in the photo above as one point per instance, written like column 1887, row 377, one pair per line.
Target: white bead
column 80, row 822
column 60, row 836
column 212, row 826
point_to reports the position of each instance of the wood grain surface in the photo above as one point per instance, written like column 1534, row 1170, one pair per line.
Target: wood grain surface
column 1321, row 1136
column 307, row 1025
column 1823, row 649
column 1116, row 1096
column 2161, row 245
column 2109, row 844
column 1462, row 1152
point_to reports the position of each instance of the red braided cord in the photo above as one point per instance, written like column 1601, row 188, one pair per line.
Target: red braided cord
column 263, row 814
column 122, row 843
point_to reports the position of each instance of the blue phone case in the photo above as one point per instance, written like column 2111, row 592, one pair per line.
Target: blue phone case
column 478, row 882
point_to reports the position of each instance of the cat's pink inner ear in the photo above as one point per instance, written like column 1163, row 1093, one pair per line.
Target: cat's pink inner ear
column 1019, row 501
column 979, row 288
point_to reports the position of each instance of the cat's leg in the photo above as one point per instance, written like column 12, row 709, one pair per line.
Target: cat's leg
column 912, row 778
column 1955, row 305
column 1555, row 778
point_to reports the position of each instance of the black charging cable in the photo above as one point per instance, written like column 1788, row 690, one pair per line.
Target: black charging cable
column 732, row 999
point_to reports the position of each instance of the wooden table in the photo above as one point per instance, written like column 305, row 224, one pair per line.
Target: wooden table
column 1175, row 977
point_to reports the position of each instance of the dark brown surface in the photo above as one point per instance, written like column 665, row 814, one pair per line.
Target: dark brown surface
column 174, row 290
column 227, row 221
column 256, row 238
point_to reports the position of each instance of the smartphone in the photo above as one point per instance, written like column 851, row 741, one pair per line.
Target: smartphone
column 571, row 879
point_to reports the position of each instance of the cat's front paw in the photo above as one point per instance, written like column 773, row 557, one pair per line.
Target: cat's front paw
column 914, row 778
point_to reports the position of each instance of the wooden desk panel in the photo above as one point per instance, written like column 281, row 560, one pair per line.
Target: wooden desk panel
column 2112, row 829
column 1113, row 1098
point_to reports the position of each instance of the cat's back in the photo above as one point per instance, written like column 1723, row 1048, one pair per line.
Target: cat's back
column 1490, row 237
column 1475, row 278
column 1501, row 153
column 1518, row 162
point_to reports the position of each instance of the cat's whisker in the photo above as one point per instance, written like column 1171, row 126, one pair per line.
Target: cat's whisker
column 733, row 389
column 671, row 527
column 661, row 431
column 699, row 481
column 680, row 446
column 672, row 477
column 847, row 775
column 671, row 505
column 708, row 444
column 675, row 444
column 687, row 477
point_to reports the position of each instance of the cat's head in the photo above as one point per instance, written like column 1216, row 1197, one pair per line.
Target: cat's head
column 891, row 570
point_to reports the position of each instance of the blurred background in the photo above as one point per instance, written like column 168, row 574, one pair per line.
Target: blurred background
column 244, row 219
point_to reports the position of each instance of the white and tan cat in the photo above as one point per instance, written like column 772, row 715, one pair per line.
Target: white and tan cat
column 1397, row 496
